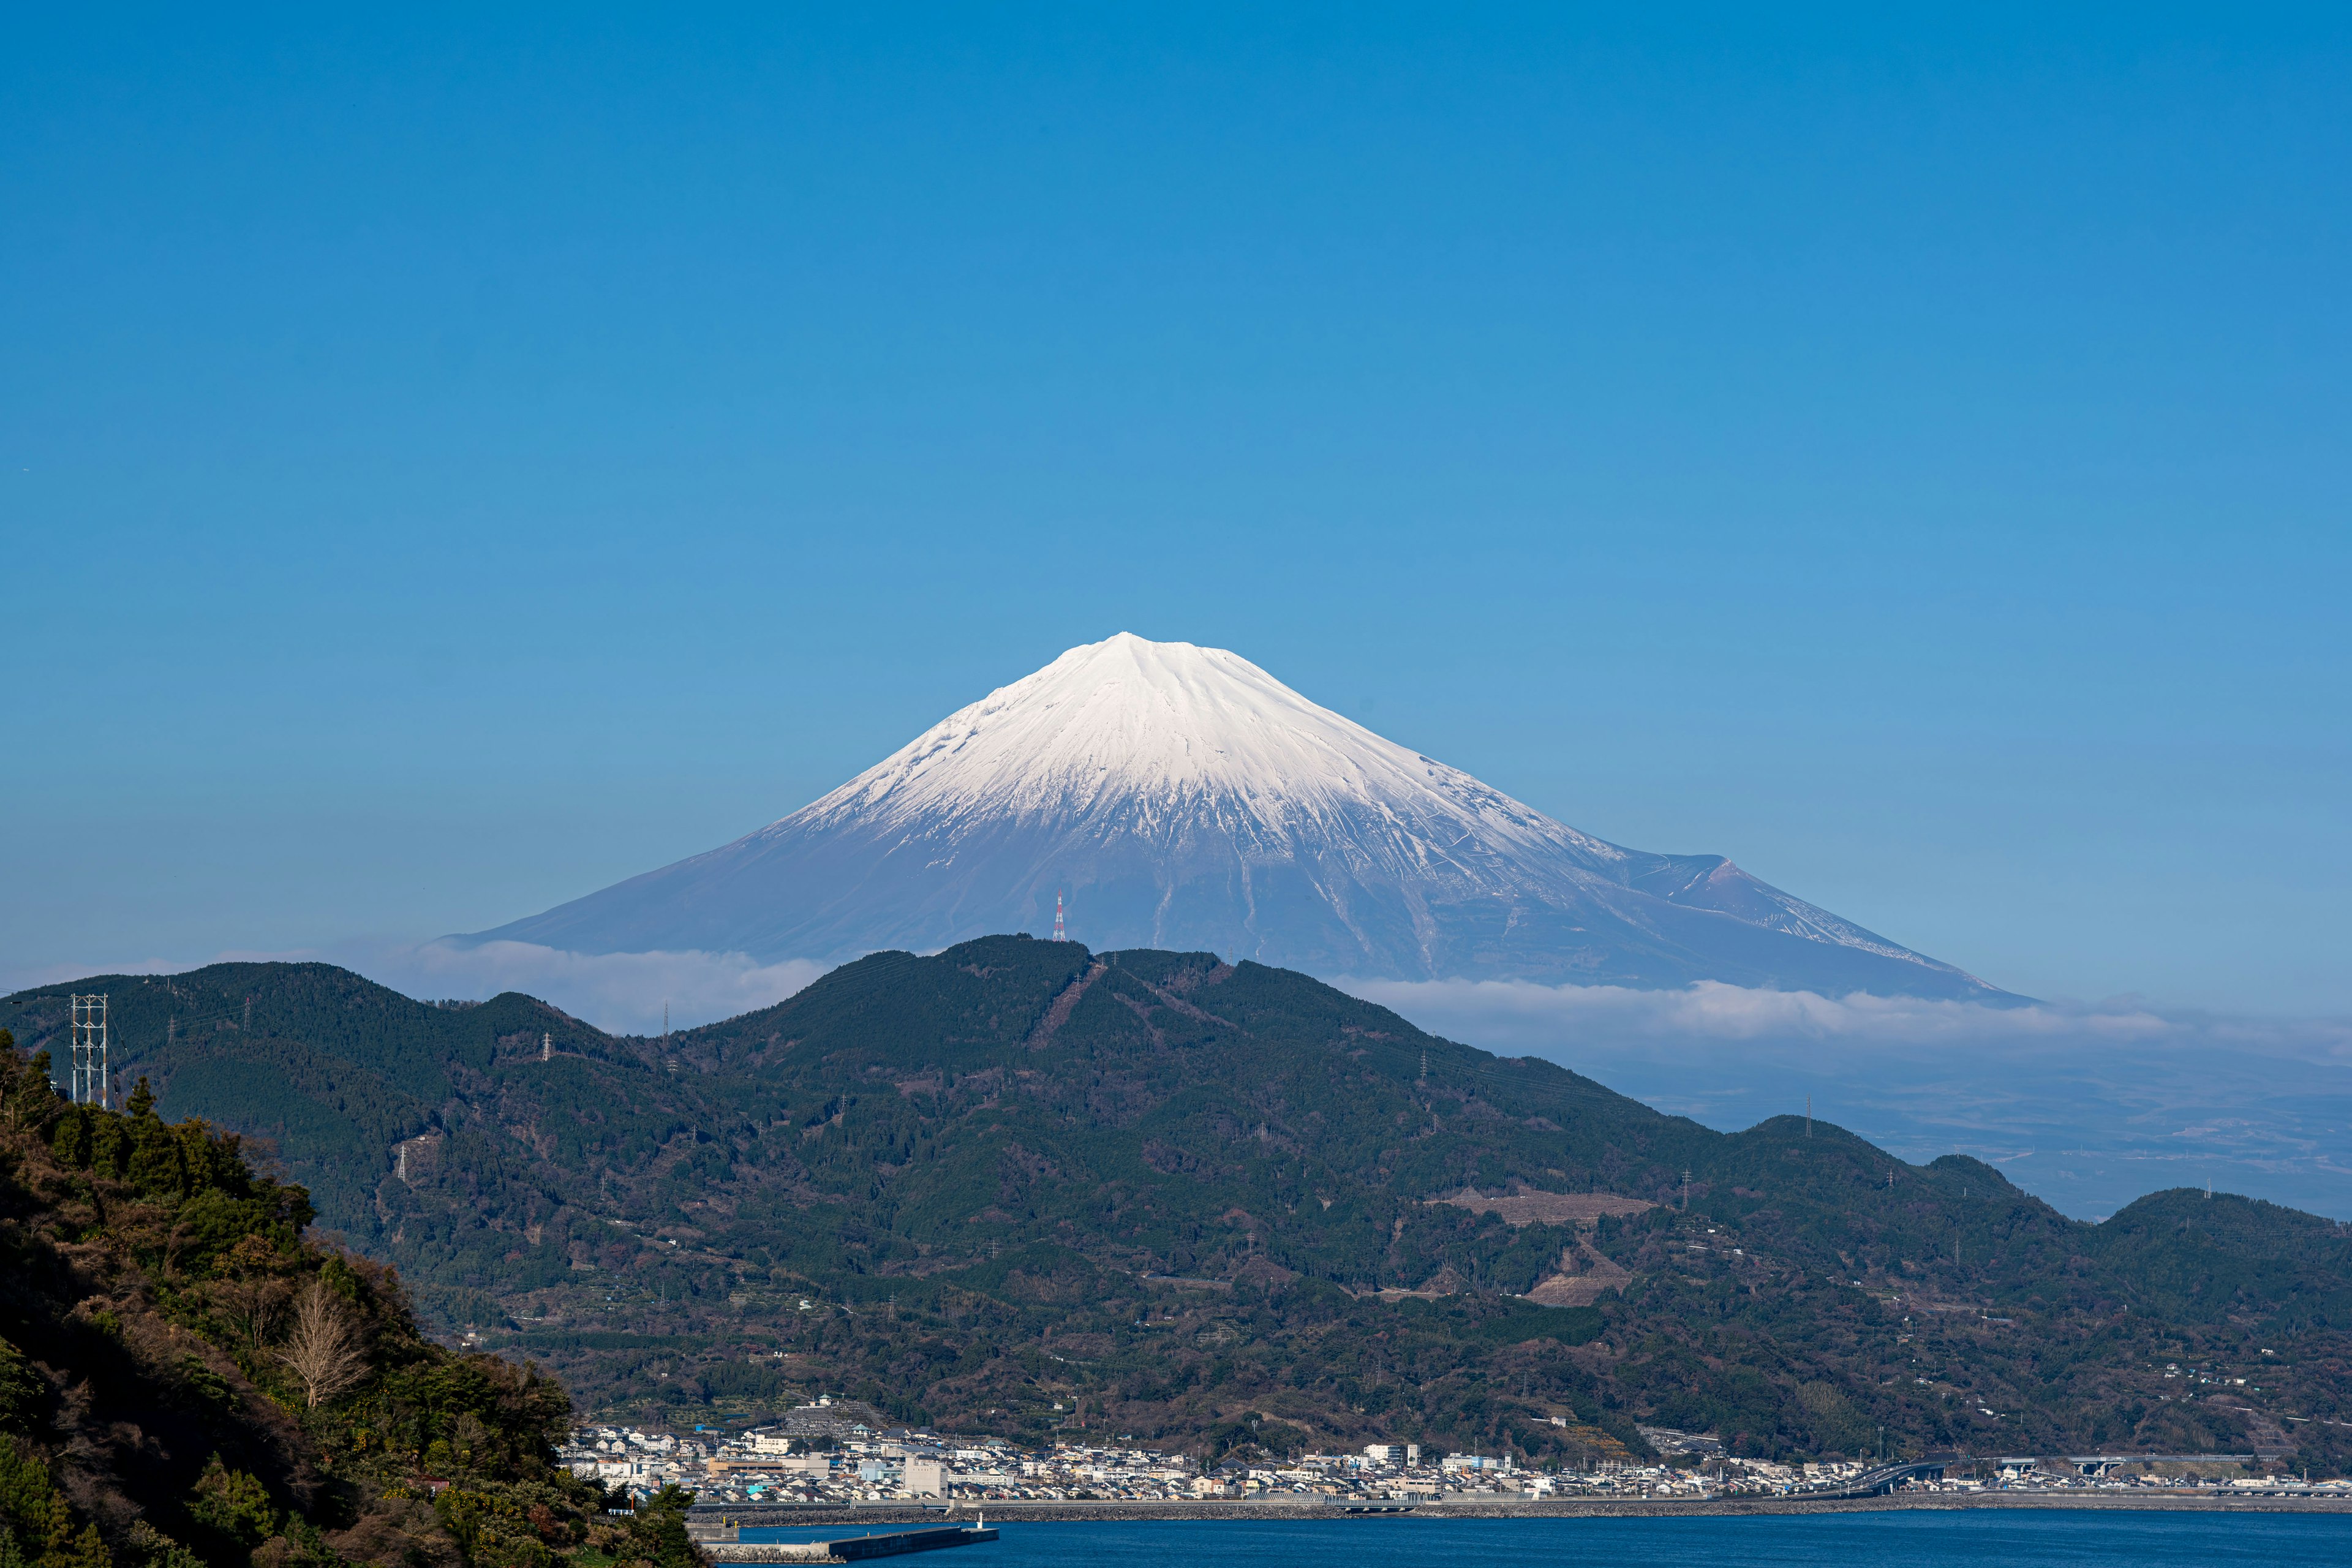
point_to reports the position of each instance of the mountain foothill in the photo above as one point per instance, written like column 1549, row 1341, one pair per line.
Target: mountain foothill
column 192, row 1377
column 1022, row 1187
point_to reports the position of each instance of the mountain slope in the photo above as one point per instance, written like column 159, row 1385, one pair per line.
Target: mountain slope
column 344, row 1081
column 186, row 1378
column 965, row 1188
column 1183, row 798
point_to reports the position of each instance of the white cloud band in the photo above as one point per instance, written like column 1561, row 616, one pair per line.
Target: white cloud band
column 1494, row 1014
column 623, row 992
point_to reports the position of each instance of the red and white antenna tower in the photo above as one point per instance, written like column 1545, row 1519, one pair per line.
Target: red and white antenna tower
column 1059, row 935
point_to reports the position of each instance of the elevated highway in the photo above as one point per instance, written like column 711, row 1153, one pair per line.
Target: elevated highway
column 1886, row 1477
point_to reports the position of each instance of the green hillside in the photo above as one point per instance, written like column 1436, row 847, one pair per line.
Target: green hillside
column 1018, row 1185
column 186, row 1380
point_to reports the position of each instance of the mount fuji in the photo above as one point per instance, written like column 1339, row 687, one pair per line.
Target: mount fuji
column 1182, row 797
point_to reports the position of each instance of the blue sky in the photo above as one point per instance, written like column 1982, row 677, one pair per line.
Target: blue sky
column 449, row 464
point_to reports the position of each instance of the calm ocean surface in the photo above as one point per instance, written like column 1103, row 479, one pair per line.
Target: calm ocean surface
column 1996, row 1538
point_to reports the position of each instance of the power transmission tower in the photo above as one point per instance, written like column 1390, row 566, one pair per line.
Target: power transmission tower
column 92, row 1083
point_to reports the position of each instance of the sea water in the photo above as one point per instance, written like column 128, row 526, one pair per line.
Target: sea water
column 1995, row 1538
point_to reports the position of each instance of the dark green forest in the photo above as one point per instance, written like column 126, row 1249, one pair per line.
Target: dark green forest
column 187, row 1379
column 1018, row 1186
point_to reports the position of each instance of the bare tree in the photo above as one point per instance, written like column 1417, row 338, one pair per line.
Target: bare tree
column 253, row 1306
column 325, row 1349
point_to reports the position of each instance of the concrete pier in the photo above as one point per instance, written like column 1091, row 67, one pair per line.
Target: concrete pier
column 848, row 1548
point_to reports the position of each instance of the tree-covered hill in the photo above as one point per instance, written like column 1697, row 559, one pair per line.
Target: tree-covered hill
column 187, row 1379
column 1018, row 1183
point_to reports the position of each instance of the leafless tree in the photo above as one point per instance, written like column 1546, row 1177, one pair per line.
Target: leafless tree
column 325, row 1349
column 253, row 1306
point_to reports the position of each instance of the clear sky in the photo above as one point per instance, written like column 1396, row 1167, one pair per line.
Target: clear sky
column 449, row 464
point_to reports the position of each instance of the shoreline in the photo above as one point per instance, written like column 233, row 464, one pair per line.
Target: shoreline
column 1019, row 1511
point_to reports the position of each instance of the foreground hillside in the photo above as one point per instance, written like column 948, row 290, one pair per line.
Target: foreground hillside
column 1018, row 1185
column 185, row 1379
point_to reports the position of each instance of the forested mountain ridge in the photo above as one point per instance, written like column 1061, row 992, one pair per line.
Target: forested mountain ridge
column 333, row 1074
column 963, row 1163
column 185, row 1379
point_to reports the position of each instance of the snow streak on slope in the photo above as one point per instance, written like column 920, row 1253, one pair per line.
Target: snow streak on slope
column 1185, row 798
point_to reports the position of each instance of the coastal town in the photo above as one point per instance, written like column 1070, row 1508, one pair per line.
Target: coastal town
column 821, row 1457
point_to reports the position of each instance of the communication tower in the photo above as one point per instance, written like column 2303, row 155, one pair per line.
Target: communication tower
column 92, row 1083
column 1059, row 935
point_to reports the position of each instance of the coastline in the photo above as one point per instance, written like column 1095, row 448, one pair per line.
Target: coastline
column 1020, row 1511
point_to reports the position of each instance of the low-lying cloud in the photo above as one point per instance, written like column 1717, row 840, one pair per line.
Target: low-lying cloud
column 621, row 992
column 1495, row 1014
column 2088, row 1105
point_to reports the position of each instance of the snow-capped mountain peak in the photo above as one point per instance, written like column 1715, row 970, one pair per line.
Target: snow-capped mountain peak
column 1184, row 797
column 1127, row 727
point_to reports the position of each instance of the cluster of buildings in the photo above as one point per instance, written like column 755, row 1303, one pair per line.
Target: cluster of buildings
column 636, row 1462
column 773, row 1468
column 1403, row 1473
column 818, row 1458
column 815, row 1457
